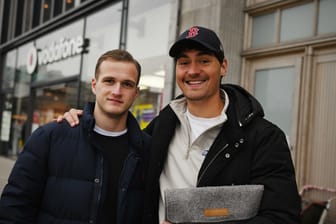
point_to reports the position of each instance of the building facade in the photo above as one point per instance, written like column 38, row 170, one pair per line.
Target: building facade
column 47, row 67
column 282, row 51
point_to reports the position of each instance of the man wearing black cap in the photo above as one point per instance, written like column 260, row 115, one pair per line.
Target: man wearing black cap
column 215, row 135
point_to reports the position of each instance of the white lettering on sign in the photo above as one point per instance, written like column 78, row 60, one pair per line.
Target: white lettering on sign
column 58, row 50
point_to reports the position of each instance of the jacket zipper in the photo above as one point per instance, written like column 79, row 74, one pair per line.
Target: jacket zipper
column 211, row 161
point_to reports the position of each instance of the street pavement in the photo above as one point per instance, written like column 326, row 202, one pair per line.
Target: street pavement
column 6, row 166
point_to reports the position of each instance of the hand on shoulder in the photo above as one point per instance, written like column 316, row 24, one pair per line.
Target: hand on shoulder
column 71, row 116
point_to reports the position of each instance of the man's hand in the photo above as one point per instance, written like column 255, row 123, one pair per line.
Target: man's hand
column 71, row 116
column 165, row 222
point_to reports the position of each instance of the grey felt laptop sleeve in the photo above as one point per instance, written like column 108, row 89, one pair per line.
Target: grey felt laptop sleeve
column 212, row 204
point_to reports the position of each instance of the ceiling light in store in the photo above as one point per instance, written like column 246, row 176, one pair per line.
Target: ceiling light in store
column 160, row 73
column 152, row 81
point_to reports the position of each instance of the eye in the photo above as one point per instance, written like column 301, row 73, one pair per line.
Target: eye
column 183, row 62
column 204, row 60
column 128, row 84
column 108, row 81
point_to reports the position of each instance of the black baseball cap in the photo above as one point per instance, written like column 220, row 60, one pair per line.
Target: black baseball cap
column 198, row 35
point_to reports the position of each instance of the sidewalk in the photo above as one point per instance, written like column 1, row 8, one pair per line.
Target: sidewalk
column 5, row 168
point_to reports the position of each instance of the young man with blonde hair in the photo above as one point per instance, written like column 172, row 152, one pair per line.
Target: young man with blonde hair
column 93, row 173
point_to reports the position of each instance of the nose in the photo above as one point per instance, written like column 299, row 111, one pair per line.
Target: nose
column 116, row 88
column 194, row 68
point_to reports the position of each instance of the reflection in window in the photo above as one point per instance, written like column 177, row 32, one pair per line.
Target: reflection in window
column 9, row 70
column 36, row 13
column 27, row 16
column 263, row 30
column 69, row 4
column 46, row 10
column 21, row 100
column 102, row 29
column 58, row 7
column 327, row 17
column 19, row 21
column 52, row 101
column 148, row 40
column 297, row 22
column 274, row 88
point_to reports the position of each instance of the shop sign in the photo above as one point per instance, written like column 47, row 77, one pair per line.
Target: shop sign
column 58, row 50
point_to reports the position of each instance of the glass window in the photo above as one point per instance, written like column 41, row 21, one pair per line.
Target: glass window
column 102, row 30
column 59, row 53
column 277, row 100
column 27, row 15
column 9, row 70
column 327, row 16
column 263, row 30
column 36, row 13
column 58, row 7
column 19, row 20
column 148, row 40
column 22, row 78
column 7, row 85
column 6, row 123
column 46, row 10
column 21, row 101
column 51, row 101
column 69, row 4
column 297, row 22
column 5, row 21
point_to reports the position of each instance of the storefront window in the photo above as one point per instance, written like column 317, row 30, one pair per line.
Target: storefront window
column 102, row 29
column 9, row 70
column 51, row 101
column 148, row 35
column 7, row 89
column 59, row 53
column 21, row 101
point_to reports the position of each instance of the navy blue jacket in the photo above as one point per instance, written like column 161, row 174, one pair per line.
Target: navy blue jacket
column 58, row 177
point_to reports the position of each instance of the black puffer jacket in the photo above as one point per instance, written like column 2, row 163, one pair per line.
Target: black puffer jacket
column 58, row 177
column 248, row 150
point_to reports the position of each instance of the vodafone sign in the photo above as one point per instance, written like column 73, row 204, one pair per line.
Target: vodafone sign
column 31, row 60
column 58, row 50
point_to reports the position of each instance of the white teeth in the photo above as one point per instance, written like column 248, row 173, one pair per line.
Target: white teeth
column 194, row 82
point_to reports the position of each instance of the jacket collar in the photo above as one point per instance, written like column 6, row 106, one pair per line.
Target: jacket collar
column 133, row 129
column 246, row 106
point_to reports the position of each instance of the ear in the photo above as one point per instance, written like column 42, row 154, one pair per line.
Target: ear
column 93, row 85
column 224, row 67
column 137, row 92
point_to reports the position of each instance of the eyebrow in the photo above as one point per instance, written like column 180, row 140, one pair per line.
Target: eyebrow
column 123, row 80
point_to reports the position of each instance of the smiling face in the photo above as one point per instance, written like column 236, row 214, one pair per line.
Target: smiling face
column 115, row 88
column 198, row 74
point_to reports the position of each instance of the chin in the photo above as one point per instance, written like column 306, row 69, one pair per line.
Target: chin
column 193, row 97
